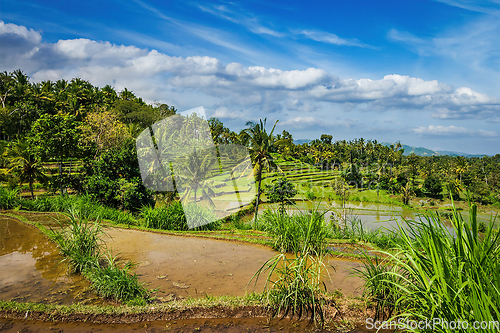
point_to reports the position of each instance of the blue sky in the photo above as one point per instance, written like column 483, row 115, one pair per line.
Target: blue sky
column 426, row 73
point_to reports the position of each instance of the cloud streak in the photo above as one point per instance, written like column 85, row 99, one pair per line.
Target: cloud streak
column 452, row 131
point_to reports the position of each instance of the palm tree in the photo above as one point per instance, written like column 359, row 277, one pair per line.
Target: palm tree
column 23, row 163
column 260, row 144
column 193, row 175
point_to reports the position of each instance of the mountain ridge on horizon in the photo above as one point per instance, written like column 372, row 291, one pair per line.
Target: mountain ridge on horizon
column 420, row 151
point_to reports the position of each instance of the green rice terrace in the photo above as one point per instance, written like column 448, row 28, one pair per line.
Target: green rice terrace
column 322, row 236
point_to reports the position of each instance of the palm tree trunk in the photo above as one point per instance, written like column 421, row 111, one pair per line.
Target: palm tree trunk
column 258, row 197
column 31, row 190
column 60, row 177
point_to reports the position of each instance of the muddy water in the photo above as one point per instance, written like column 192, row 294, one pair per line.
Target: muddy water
column 29, row 269
column 182, row 266
column 231, row 325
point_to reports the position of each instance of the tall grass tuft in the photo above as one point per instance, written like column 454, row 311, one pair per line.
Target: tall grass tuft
column 293, row 283
column 80, row 242
column 447, row 274
column 289, row 232
column 171, row 217
column 118, row 283
column 379, row 279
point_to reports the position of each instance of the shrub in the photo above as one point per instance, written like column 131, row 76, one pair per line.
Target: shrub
column 171, row 217
column 9, row 198
column 281, row 190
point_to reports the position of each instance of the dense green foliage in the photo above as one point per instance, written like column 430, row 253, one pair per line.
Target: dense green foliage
column 8, row 198
column 280, row 190
column 57, row 122
column 114, row 179
column 171, row 217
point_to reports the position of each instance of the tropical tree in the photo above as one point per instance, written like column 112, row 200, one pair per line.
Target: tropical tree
column 24, row 164
column 104, row 131
column 281, row 190
column 56, row 136
column 260, row 144
column 192, row 173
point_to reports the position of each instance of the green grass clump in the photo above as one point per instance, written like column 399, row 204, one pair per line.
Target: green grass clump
column 379, row 285
column 8, row 198
column 172, row 217
column 448, row 274
column 80, row 242
column 118, row 283
column 289, row 232
column 293, row 284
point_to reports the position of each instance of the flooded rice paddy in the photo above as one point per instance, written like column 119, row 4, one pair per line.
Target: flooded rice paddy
column 31, row 268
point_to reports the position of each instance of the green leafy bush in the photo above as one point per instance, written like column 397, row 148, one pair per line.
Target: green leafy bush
column 171, row 217
column 9, row 198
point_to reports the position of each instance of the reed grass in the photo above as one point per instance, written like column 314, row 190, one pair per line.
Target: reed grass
column 293, row 283
column 80, row 242
column 441, row 273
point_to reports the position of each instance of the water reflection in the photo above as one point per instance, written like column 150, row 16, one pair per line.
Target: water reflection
column 30, row 269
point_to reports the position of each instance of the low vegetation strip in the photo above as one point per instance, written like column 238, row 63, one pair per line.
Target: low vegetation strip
column 213, row 307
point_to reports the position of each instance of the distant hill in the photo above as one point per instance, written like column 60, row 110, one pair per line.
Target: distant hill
column 301, row 141
column 421, row 151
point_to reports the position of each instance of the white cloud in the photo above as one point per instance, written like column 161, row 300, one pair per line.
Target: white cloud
column 482, row 6
column 474, row 45
column 452, row 130
column 300, row 121
column 224, row 112
column 21, row 31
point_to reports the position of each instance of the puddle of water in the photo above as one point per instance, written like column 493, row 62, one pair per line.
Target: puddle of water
column 182, row 266
column 29, row 269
